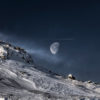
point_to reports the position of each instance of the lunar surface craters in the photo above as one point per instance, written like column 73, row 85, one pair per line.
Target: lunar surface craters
column 54, row 47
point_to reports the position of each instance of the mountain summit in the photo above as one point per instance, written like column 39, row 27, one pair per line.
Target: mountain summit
column 21, row 80
column 8, row 51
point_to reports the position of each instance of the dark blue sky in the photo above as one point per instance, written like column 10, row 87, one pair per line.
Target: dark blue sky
column 35, row 24
column 50, row 18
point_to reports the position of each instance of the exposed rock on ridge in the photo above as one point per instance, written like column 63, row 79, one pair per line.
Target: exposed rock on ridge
column 8, row 51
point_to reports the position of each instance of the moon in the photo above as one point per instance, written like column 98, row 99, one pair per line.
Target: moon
column 54, row 47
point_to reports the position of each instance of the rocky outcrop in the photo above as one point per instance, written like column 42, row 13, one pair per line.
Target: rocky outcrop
column 8, row 51
column 70, row 76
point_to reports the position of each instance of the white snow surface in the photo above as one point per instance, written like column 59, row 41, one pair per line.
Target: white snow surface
column 20, row 80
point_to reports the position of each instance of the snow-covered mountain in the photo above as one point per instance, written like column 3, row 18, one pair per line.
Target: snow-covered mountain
column 21, row 79
column 8, row 51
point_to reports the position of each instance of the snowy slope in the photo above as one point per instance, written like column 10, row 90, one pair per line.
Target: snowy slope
column 20, row 79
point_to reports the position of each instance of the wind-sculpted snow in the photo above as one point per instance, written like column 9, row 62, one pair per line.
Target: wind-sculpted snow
column 24, row 81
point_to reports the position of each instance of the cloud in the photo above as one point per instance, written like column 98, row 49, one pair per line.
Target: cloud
column 44, row 55
column 36, row 50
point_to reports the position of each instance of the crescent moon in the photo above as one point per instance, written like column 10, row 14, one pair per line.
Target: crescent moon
column 54, row 47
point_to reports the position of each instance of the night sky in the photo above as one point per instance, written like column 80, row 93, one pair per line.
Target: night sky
column 75, row 24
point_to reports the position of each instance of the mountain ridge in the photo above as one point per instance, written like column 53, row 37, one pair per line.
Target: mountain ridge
column 22, row 80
